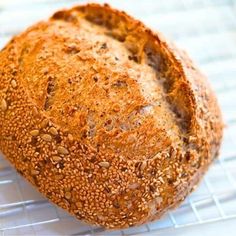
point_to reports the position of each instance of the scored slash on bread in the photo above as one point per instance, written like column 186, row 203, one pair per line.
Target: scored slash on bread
column 106, row 118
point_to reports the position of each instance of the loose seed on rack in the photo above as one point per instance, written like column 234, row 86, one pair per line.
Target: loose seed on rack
column 3, row 105
column 34, row 132
column 53, row 131
column 62, row 150
column 46, row 137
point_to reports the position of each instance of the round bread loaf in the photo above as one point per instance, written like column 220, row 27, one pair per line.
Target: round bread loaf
column 105, row 117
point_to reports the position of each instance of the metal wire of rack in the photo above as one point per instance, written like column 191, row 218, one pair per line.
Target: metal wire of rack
column 207, row 30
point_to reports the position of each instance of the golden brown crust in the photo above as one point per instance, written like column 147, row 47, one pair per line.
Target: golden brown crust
column 109, row 120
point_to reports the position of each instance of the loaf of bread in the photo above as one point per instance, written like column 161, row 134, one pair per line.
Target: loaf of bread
column 105, row 117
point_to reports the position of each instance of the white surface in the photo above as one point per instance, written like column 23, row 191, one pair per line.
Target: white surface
column 207, row 30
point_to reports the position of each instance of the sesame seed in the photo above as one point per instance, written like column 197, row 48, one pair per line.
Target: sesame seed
column 13, row 84
column 53, row 131
column 34, row 132
column 3, row 105
column 56, row 158
column 35, row 110
column 104, row 164
column 46, row 137
column 62, row 150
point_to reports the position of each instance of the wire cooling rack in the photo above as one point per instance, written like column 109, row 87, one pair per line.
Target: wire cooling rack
column 207, row 30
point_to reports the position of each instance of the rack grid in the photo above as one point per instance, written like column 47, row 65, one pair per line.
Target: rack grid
column 204, row 28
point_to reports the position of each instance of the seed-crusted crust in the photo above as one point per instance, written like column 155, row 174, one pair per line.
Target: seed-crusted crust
column 106, row 118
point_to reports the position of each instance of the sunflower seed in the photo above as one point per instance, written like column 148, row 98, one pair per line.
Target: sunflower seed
column 46, row 137
column 104, row 164
column 34, row 132
column 3, row 105
column 34, row 172
column 53, row 131
column 62, row 150
column 56, row 158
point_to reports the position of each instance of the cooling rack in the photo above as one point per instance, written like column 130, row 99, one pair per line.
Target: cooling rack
column 207, row 30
